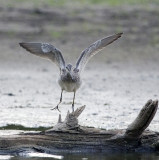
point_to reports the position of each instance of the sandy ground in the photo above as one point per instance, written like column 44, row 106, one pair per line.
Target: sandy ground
column 116, row 83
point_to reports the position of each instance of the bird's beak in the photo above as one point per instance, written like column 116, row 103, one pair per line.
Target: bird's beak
column 69, row 75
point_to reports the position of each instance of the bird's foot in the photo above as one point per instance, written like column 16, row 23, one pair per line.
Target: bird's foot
column 56, row 108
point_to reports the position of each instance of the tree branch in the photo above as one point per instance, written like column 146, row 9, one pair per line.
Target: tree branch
column 142, row 121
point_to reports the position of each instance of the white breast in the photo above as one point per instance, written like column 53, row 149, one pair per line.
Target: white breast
column 69, row 87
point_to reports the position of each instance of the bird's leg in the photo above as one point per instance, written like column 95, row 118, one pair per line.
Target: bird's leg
column 73, row 101
column 57, row 107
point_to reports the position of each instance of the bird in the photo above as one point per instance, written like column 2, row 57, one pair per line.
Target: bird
column 69, row 78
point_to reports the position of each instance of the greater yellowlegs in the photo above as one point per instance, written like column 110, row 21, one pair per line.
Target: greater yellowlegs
column 69, row 79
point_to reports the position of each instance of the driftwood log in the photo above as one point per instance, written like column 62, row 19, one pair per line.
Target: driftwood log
column 69, row 136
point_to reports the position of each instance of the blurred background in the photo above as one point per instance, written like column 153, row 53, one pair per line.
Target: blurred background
column 117, row 82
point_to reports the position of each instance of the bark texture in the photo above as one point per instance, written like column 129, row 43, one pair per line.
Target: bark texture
column 69, row 136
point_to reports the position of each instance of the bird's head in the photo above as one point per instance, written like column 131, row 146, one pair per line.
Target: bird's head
column 69, row 69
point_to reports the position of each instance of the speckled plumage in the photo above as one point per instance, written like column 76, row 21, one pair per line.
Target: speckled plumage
column 69, row 79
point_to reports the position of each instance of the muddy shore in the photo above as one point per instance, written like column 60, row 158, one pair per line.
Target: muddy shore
column 116, row 82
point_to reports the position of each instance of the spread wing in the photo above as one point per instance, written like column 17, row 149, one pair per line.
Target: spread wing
column 45, row 50
column 95, row 48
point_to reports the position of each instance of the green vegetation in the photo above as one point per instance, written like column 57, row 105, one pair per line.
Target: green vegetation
column 55, row 34
column 38, row 3
column 20, row 127
column 117, row 2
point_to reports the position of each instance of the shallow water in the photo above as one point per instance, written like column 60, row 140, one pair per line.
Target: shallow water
column 112, row 101
column 153, row 156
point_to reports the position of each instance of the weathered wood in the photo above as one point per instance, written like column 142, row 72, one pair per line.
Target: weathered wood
column 69, row 136
column 70, row 123
column 143, row 120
